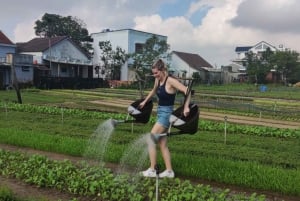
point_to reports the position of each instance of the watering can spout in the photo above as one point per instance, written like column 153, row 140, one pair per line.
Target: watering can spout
column 114, row 122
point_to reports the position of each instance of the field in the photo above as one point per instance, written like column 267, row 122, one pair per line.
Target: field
column 253, row 155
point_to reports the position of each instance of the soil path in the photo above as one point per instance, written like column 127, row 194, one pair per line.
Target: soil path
column 24, row 190
column 122, row 103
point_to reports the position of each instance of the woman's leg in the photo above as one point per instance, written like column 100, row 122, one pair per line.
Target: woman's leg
column 165, row 153
column 156, row 129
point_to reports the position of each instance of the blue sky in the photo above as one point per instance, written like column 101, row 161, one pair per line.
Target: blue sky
column 173, row 9
column 210, row 28
column 180, row 8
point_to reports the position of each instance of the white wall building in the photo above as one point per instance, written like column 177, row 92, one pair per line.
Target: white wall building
column 185, row 64
column 257, row 49
column 64, row 58
column 127, row 39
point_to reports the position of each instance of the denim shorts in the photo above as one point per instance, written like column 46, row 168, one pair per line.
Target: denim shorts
column 163, row 115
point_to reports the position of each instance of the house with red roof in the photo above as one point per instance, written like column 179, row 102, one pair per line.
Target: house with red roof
column 6, row 47
column 184, row 65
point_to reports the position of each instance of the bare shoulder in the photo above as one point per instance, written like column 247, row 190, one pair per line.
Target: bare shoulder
column 176, row 84
column 173, row 80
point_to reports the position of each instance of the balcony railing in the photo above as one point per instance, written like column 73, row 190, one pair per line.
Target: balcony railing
column 2, row 59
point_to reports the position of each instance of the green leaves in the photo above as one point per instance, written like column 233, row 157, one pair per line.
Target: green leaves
column 249, row 130
column 86, row 180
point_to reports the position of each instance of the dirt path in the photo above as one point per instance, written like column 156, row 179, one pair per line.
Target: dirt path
column 29, row 191
column 122, row 103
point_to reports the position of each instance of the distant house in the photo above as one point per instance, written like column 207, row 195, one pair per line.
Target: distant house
column 237, row 71
column 22, row 68
column 233, row 73
column 57, row 59
column 257, row 49
column 6, row 47
column 129, row 40
column 60, row 54
column 186, row 64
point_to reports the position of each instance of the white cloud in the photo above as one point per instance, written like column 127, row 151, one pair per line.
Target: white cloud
column 216, row 38
column 24, row 32
column 211, row 40
column 274, row 16
column 227, row 23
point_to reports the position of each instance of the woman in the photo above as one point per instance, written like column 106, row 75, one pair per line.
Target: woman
column 165, row 88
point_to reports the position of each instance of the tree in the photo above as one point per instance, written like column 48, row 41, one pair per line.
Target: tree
column 52, row 25
column 153, row 49
column 285, row 62
column 259, row 65
column 254, row 68
column 112, row 59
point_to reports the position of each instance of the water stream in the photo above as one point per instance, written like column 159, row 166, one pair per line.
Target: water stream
column 97, row 143
column 134, row 158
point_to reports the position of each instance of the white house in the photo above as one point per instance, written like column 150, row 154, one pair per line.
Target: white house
column 60, row 54
column 233, row 73
column 129, row 40
column 257, row 49
column 185, row 64
column 237, row 70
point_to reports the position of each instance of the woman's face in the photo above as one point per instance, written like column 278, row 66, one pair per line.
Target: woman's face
column 156, row 73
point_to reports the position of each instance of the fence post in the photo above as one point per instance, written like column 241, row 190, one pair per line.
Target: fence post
column 260, row 116
column 225, row 129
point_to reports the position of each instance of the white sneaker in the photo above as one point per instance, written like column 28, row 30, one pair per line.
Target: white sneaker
column 149, row 173
column 167, row 173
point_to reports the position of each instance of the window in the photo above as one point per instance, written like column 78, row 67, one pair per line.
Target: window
column 63, row 69
column 25, row 68
column 139, row 47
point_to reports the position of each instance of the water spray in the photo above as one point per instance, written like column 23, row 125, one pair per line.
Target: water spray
column 157, row 178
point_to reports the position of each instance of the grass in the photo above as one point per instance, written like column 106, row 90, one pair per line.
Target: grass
column 245, row 160
column 277, row 103
column 265, row 163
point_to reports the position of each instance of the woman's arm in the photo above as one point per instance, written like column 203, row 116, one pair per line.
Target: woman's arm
column 184, row 89
column 151, row 93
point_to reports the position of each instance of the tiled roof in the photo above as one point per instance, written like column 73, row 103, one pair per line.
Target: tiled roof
column 39, row 44
column 193, row 60
column 4, row 39
column 243, row 49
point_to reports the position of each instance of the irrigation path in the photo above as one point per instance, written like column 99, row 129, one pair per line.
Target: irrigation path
column 259, row 121
column 24, row 190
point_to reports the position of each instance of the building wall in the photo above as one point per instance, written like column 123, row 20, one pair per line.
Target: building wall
column 22, row 64
column 4, row 49
column 66, row 60
column 179, row 66
column 66, row 51
column 262, row 47
column 5, row 72
column 125, row 39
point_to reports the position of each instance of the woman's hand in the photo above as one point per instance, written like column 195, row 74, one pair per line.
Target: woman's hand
column 142, row 104
column 186, row 111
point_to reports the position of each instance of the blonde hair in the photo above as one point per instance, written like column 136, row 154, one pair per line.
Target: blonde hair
column 160, row 65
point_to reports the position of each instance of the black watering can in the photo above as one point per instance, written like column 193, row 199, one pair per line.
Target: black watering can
column 185, row 124
column 140, row 115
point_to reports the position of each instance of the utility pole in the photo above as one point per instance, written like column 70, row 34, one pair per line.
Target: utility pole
column 15, row 82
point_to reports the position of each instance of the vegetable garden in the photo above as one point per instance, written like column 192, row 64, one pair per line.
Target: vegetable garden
column 256, row 157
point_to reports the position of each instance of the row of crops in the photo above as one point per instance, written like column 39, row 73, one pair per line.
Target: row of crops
column 256, row 157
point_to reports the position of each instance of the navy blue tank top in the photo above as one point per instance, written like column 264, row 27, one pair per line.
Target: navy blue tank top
column 165, row 99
